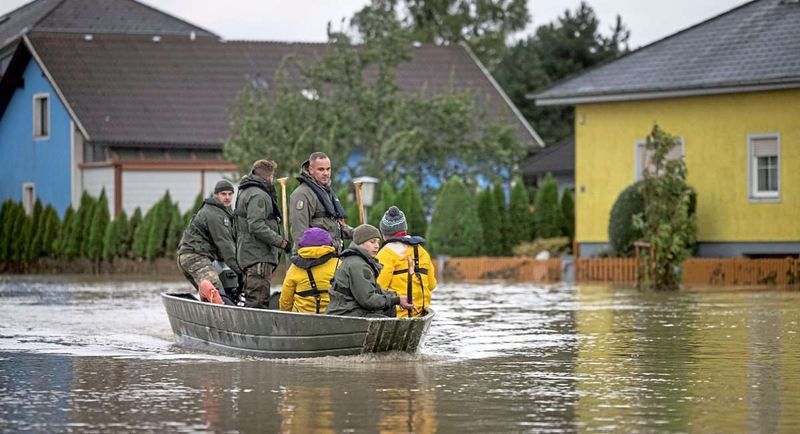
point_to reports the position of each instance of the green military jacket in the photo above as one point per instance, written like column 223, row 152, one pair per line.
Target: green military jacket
column 307, row 210
column 355, row 291
column 258, row 219
column 212, row 234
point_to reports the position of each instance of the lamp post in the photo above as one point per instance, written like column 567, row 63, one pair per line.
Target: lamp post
column 365, row 195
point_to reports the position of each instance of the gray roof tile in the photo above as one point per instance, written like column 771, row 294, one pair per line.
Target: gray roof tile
column 754, row 44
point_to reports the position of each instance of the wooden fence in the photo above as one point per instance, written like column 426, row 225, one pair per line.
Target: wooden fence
column 519, row 269
column 732, row 272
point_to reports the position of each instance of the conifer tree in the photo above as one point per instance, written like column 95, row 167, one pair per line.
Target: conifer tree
column 548, row 211
column 50, row 233
column 122, row 235
column 6, row 225
column 502, row 218
column 455, row 229
column 195, row 206
column 142, row 232
column 110, row 242
column 79, row 228
column 63, row 235
column 133, row 225
column 41, row 231
column 409, row 200
column 34, row 247
column 347, row 198
column 490, row 223
column 158, row 227
column 23, row 234
column 386, row 198
column 99, row 221
column 174, row 232
column 520, row 220
column 568, row 212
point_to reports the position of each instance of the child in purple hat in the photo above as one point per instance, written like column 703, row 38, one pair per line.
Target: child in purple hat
column 308, row 279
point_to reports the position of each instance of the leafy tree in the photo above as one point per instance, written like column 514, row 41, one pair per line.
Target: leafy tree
column 568, row 213
column 455, row 229
column 556, row 50
column 99, row 221
column 520, row 220
column 483, row 24
column 502, row 218
column 621, row 231
column 409, row 200
column 350, row 100
column 548, row 211
column 667, row 223
column 490, row 223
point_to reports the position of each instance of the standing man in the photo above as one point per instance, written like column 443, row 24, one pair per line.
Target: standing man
column 259, row 237
column 210, row 237
column 315, row 204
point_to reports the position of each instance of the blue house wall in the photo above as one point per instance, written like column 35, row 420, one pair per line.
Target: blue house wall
column 44, row 162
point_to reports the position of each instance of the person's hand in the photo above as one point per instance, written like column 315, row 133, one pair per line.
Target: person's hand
column 404, row 304
column 286, row 246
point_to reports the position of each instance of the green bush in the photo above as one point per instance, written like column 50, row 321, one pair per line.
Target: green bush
column 157, row 227
column 502, row 218
column 568, row 213
column 520, row 220
column 455, row 228
column 34, row 248
column 133, row 225
column 7, row 212
column 621, row 231
column 490, row 223
column 80, row 237
column 60, row 247
column 386, row 198
column 548, row 211
column 174, row 232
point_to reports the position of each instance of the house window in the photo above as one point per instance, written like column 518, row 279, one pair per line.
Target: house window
column 28, row 197
column 764, row 166
column 41, row 116
column 643, row 158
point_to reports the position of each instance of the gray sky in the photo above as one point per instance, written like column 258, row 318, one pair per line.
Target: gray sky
column 306, row 20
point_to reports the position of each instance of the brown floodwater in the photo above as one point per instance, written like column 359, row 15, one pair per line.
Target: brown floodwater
column 99, row 357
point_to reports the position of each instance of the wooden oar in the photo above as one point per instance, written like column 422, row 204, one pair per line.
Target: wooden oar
column 410, row 285
column 282, row 182
column 362, row 216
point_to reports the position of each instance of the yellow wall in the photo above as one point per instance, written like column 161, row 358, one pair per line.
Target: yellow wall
column 715, row 130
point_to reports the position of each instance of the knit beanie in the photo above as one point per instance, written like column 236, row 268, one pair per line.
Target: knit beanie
column 314, row 237
column 223, row 185
column 393, row 221
column 365, row 232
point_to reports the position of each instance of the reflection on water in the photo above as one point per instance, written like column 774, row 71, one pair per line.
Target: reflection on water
column 99, row 357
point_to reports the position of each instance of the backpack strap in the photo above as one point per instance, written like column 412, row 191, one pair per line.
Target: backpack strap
column 315, row 291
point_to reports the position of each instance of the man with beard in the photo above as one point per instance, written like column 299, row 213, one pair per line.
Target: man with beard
column 315, row 204
column 259, row 242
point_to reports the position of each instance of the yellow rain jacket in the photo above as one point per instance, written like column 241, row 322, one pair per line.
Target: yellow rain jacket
column 297, row 294
column 394, row 274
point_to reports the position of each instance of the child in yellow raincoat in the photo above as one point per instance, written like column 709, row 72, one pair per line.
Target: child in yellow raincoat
column 400, row 251
column 308, row 279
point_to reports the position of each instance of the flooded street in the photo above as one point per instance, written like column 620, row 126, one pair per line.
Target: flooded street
column 99, row 357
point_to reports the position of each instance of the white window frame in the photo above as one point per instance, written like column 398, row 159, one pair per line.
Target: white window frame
column 752, row 170
column 638, row 147
column 28, row 197
column 36, row 116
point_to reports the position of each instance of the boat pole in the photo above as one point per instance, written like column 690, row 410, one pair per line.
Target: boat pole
column 362, row 217
column 282, row 182
column 410, row 285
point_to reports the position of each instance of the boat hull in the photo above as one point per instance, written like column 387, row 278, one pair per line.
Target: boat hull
column 276, row 334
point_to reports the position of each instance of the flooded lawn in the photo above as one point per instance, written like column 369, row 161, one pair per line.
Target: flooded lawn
column 99, row 357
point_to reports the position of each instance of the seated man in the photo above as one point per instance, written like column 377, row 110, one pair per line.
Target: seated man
column 401, row 252
column 209, row 237
column 355, row 291
column 305, row 287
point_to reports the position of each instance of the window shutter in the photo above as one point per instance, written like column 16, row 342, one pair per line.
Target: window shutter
column 767, row 147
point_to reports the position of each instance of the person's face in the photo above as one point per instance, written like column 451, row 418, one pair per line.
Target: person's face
column 225, row 198
column 321, row 171
column 372, row 246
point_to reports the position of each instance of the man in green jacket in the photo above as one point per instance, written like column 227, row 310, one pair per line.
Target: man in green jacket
column 355, row 291
column 315, row 204
column 209, row 237
column 259, row 239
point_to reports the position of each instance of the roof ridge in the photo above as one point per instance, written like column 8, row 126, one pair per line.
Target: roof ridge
column 154, row 9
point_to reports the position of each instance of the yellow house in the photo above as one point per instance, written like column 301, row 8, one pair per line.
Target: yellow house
column 729, row 88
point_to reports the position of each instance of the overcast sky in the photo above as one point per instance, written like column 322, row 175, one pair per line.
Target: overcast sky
column 306, row 20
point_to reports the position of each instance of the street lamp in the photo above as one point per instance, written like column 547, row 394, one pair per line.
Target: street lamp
column 365, row 195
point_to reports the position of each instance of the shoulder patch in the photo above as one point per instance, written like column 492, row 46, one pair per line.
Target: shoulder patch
column 261, row 204
column 226, row 221
column 300, row 204
column 367, row 274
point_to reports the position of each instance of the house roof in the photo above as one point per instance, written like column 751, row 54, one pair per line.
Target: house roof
column 558, row 158
column 128, row 90
column 755, row 46
column 91, row 16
